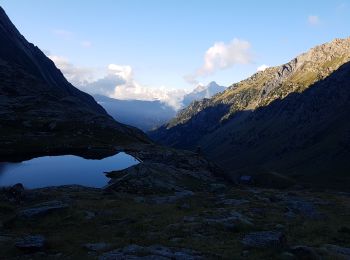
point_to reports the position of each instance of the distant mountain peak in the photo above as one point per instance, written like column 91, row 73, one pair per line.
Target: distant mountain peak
column 203, row 91
column 201, row 87
column 213, row 83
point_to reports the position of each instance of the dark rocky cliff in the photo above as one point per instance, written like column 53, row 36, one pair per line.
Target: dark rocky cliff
column 41, row 111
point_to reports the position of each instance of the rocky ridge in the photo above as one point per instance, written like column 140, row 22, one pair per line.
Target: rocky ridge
column 274, row 83
column 286, row 120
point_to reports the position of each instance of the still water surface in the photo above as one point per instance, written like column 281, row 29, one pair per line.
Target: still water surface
column 63, row 170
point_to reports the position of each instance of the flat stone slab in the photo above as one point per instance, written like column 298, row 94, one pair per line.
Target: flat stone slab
column 31, row 242
column 264, row 239
column 338, row 250
column 42, row 209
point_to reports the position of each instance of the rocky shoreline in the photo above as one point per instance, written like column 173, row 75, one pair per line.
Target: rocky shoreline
column 216, row 221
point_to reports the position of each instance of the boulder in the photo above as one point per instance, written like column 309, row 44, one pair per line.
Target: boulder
column 15, row 193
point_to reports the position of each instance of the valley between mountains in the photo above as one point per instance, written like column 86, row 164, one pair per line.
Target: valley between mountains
column 258, row 170
column 288, row 121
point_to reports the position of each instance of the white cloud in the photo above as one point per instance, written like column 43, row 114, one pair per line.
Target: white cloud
column 104, row 86
column 313, row 20
column 222, row 56
column 74, row 74
column 118, row 82
column 123, row 71
column 86, row 44
column 262, row 67
column 130, row 89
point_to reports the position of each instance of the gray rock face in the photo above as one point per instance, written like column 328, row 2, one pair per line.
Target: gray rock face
column 151, row 252
column 31, row 243
column 264, row 239
column 42, row 209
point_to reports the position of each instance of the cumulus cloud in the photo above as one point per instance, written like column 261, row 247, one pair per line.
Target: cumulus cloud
column 123, row 71
column 118, row 82
column 134, row 90
column 131, row 89
column 222, row 56
column 262, row 67
column 313, row 20
column 74, row 74
column 104, row 86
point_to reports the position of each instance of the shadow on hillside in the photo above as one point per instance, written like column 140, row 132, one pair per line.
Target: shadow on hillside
column 304, row 135
column 187, row 135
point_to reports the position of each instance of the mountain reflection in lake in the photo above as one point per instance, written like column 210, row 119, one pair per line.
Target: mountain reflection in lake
column 63, row 170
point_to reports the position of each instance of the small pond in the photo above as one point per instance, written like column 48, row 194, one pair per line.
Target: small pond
column 63, row 170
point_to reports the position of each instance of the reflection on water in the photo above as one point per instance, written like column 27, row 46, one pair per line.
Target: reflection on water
column 63, row 170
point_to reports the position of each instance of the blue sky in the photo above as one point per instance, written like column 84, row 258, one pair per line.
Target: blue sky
column 163, row 41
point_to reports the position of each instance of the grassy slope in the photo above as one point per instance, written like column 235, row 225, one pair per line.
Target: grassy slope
column 121, row 221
